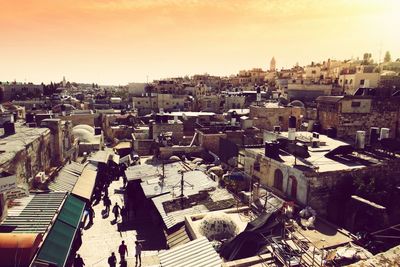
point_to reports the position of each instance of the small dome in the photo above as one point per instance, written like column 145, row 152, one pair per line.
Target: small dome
column 297, row 103
column 85, row 127
column 218, row 226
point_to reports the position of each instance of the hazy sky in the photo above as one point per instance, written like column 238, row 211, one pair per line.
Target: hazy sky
column 120, row 41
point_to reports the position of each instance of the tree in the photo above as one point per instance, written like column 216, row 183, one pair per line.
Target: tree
column 387, row 57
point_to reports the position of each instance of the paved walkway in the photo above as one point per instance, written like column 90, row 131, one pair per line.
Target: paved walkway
column 103, row 237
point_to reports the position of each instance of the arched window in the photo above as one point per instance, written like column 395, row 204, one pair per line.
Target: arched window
column 278, row 179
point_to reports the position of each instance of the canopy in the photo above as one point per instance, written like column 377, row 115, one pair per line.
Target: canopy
column 58, row 243
column 85, row 184
column 18, row 249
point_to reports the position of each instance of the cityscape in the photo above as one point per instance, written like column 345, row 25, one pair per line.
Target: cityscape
column 200, row 133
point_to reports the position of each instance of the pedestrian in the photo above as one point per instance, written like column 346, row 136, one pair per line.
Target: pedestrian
column 107, row 203
column 112, row 260
column 78, row 261
column 138, row 252
column 91, row 214
column 122, row 250
column 116, row 209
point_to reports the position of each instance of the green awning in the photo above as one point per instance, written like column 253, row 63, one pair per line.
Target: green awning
column 55, row 248
column 72, row 210
column 57, row 245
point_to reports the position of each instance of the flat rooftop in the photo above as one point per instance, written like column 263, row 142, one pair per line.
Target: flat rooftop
column 12, row 144
column 318, row 160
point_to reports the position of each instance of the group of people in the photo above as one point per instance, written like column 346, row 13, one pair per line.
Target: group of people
column 123, row 251
column 108, row 174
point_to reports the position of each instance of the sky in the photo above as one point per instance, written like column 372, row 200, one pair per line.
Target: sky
column 122, row 41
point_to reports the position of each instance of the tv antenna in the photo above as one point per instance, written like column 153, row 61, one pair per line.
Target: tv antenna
column 181, row 184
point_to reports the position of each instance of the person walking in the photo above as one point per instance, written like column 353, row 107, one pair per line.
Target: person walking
column 91, row 214
column 107, row 204
column 122, row 250
column 112, row 260
column 138, row 253
column 78, row 261
column 116, row 210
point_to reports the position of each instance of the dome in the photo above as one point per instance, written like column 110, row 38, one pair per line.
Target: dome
column 297, row 103
column 85, row 127
column 218, row 226
column 63, row 107
column 84, row 133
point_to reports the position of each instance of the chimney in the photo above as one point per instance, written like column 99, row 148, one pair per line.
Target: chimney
column 384, row 133
column 292, row 128
column 374, row 135
column 360, row 139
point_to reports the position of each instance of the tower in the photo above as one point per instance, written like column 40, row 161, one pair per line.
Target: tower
column 272, row 65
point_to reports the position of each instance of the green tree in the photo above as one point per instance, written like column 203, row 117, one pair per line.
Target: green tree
column 387, row 57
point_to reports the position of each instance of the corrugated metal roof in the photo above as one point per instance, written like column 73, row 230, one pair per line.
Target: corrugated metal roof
column 67, row 177
column 36, row 215
column 196, row 253
column 178, row 237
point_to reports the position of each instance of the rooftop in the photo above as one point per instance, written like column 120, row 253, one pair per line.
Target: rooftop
column 318, row 159
column 11, row 144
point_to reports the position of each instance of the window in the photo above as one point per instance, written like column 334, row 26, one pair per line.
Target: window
column 346, row 81
column 278, row 179
column 256, row 166
column 351, row 81
column 138, row 102
column 362, row 81
column 313, row 72
column 280, row 118
column 355, row 104
column 293, row 187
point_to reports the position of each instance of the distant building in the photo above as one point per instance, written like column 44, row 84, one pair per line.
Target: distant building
column 349, row 114
column 12, row 91
column 272, row 65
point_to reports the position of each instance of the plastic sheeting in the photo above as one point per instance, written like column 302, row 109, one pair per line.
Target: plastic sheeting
column 252, row 239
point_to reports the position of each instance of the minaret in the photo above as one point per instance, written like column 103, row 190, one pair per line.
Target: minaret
column 64, row 82
column 272, row 65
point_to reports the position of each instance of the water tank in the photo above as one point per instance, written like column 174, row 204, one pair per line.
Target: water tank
column 292, row 134
column 360, row 139
column 316, row 127
column 9, row 128
column 384, row 133
column 331, row 132
column 292, row 122
column 373, row 135
column 277, row 129
column 30, row 117
column 272, row 150
column 97, row 130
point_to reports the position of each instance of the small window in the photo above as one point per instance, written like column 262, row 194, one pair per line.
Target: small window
column 280, row 118
column 355, row 104
column 346, row 81
column 256, row 166
column 138, row 102
column 351, row 81
column 362, row 82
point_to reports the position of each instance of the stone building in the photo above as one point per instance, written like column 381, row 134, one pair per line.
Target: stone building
column 268, row 116
column 12, row 91
column 169, row 126
column 349, row 114
column 63, row 144
column 327, row 178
